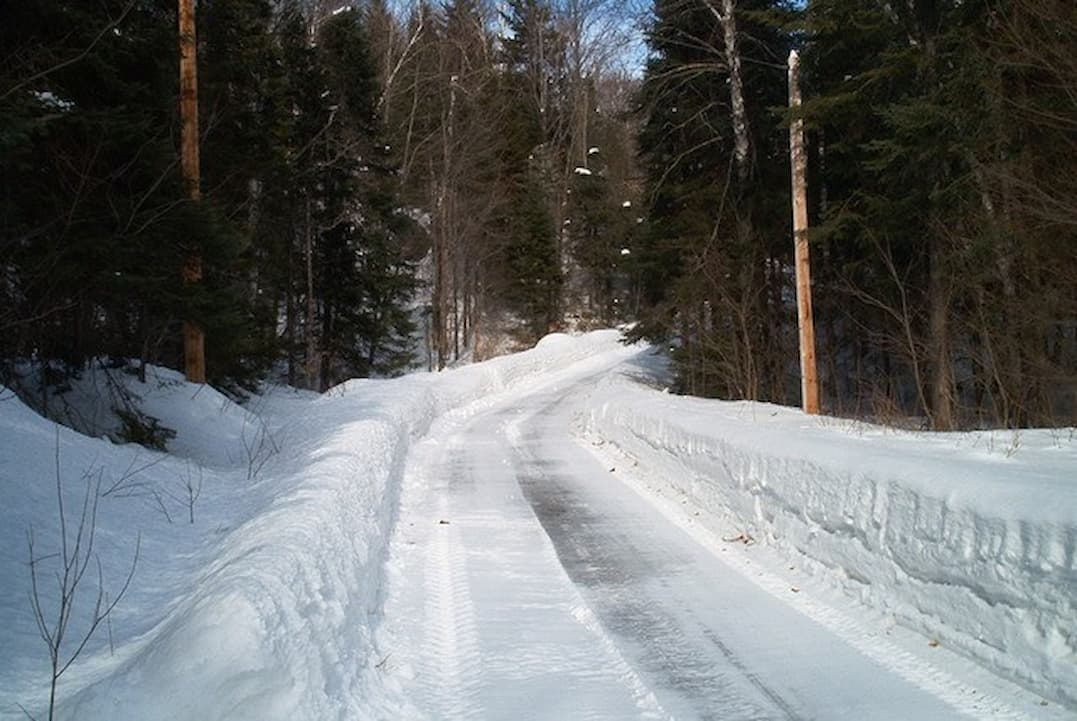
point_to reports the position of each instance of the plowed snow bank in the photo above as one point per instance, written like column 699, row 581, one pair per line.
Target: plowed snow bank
column 968, row 537
column 264, row 607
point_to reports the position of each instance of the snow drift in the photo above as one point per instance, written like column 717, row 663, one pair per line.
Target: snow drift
column 969, row 538
column 265, row 609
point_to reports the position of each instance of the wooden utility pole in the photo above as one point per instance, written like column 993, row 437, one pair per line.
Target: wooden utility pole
column 194, row 352
column 809, row 381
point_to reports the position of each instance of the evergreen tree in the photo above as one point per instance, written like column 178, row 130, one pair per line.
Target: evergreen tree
column 352, row 282
column 921, row 223
column 717, row 238
column 94, row 222
column 533, row 279
column 600, row 230
column 244, row 171
column 531, row 53
column 533, row 273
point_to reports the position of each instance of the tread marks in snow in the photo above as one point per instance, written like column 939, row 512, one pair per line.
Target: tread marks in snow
column 452, row 662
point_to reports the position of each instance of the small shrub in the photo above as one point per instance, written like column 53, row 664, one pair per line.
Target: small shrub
column 143, row 429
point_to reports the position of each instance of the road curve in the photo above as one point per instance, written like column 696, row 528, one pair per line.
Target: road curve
column 526, row 582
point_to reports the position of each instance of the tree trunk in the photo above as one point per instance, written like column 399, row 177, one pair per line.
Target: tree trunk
column 311, row 361
column 741, row 142
column 292, row 318
column 194, row 356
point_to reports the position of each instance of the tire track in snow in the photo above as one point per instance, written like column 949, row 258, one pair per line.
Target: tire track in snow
column 721, row 687
column 452, row 661
column 529, row 643
column 538, row 652
column 714, row 690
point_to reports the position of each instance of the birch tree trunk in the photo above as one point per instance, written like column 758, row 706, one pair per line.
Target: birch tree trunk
column 741, row 140
column 741, row 145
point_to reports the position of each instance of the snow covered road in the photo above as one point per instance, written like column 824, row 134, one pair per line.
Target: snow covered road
column 542, row 537
column 528, row 582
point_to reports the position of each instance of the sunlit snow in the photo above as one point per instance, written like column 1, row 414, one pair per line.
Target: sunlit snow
column 547, row 535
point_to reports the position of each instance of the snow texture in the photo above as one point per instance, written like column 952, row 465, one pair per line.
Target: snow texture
column 262, row 596
column 264, row 607
column 969, row 538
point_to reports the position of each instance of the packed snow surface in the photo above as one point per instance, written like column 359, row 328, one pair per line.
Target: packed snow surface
column 969, row 538
column 272, row 577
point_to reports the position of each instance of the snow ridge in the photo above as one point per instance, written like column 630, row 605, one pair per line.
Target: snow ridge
column 276, row 616
column 972, row 548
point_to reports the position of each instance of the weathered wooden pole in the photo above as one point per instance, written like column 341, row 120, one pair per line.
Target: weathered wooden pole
column 194, row 353
column 809, row 381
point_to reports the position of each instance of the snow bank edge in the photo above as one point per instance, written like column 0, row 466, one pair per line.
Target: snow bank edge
column 280, row 623
column 997, row 588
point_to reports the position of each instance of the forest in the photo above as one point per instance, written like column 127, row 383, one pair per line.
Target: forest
column 393, row 186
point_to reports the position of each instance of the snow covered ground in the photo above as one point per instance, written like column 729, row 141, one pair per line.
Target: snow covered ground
column 263, row 606
column 272, row 566
column 968, row 538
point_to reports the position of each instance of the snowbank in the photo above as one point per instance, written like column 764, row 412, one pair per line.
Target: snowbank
column 210, row 427
column 970, row 538
column 265, row 609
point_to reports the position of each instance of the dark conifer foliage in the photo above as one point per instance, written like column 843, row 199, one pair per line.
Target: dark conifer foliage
column 299, row 224
column 533, row 279
column 943, row 284
column 953, row 292
column 94, row 219
column 717, row 234
column 600, row 231
column 469, row 168
column 351, row 281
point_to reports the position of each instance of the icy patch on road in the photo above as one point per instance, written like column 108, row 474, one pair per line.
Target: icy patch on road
column 967, row 538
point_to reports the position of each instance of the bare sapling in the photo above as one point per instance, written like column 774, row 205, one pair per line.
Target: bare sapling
column 68, row 567
column 192, row 489
column 128, row 484
column 259, row 448
column 189, row 490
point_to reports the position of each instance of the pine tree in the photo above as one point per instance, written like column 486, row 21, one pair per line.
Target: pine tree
column 244, row 174
column 350, row 282
column 717, row 238
column 533, row 278
column 918, row 146
column 600, row 229
column 94, row 216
